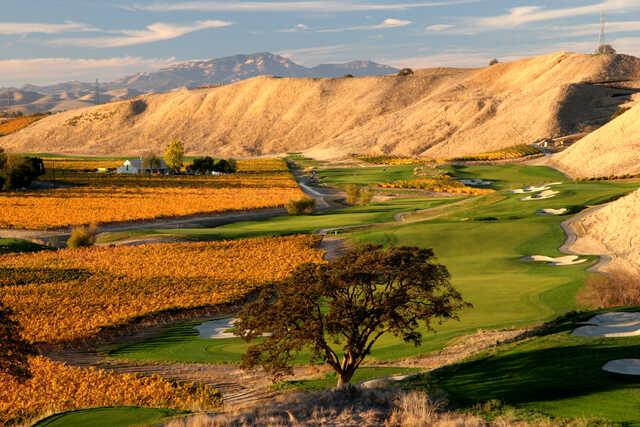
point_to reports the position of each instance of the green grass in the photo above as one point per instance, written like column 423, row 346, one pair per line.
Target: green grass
column 352, row 216
column 110, row 417
column 555, row 374
column 17, row 245
column 182, row 343
column 481, row 242
column 330, row 379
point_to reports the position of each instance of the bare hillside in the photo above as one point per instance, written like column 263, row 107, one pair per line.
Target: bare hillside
column 612, row 230
column 436, row 112
column 612, row 150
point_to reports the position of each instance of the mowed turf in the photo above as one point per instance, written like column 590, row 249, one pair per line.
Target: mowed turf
column 110, row 417
column 556, row 374
column 373, row 213
column 482, row 242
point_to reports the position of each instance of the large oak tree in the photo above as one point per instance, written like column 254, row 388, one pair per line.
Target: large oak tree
column 340, row 309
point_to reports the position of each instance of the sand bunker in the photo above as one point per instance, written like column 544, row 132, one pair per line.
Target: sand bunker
column 623, row 366
column 610, row 325
column 217, row 329
column 476, row 182
column 549, row 211
column 546, row 194
column 534, row 188
column 558, row 261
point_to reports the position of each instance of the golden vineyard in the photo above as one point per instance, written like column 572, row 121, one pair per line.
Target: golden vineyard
column 55, row 387
column 73, row 293
column 86, row 198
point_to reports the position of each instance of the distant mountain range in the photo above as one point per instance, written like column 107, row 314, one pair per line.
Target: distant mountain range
column 192, row 74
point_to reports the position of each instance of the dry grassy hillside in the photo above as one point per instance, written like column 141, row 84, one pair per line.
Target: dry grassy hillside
column 612, row 230
column 612, row 150
column 437, row 112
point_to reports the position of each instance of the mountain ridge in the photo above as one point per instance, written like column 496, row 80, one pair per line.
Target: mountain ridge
column 438, row 113
column 189, row 74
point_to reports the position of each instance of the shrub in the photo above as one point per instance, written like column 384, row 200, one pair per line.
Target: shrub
column 138, row 106
column 493, row 62
column 358, row 195
column 19, row 172
column 83, row 237
column 303, row 206
column 618, row 288
column 405, row 72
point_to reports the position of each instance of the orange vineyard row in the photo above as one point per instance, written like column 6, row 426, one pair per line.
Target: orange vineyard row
column 56, row 387
column 73, row 293
column 87, row 198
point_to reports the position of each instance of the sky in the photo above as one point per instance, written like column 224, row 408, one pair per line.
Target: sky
column 49, row 41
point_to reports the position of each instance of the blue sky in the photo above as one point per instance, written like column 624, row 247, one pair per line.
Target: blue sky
column 46, row 41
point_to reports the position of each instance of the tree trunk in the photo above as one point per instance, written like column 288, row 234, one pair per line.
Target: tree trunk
column 344, row 378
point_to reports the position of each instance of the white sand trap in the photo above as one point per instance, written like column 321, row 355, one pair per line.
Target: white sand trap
column 546, row 194
column 610, row 325
column 217, row 329
column 558, row 261
column 623, row 366
column 476, row 182
column 535, row 189
column 530, row 189
column 549, row 211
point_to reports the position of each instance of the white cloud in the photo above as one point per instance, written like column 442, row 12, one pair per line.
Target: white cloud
column 386, row 24
column 522, row 15
column 287, row 6
column 153, row 33
column 22, row 28
column 16, row 72
column 439, row 27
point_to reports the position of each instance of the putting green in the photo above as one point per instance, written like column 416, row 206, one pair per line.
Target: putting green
column 110, row 417
column 481, row 241
column 556, row 374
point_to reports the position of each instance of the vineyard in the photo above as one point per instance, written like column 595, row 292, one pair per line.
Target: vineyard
column 515, row 152
column 73, row 293
column 85, row 198
column 443, row 184
column 56, row 387
column 14, row 125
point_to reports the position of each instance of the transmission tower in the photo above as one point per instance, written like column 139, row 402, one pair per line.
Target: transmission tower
column 603, row 22
column 97, row 92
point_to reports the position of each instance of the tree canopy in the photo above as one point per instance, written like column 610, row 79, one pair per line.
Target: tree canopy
column 174, row 155
column 340, row 309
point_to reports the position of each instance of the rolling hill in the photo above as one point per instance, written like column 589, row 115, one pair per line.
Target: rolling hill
column 440, row 113
column 612, row 150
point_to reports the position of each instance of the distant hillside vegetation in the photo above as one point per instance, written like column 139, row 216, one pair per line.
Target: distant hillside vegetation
column 439, row 113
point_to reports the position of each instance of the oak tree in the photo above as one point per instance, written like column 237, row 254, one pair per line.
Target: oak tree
column 339, row 310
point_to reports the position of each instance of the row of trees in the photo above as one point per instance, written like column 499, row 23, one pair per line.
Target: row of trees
column 18, row 171
column 174, row 159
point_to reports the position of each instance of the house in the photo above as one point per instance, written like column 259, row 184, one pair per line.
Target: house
column 136, row 166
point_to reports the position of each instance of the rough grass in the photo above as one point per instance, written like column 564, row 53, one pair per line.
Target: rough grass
column 555, row 373
column 615, row 289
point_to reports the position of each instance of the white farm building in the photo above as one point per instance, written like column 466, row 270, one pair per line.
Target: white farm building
column 136, row 166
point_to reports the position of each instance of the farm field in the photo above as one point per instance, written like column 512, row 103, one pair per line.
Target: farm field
column 85, row 198
column 106, row 286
